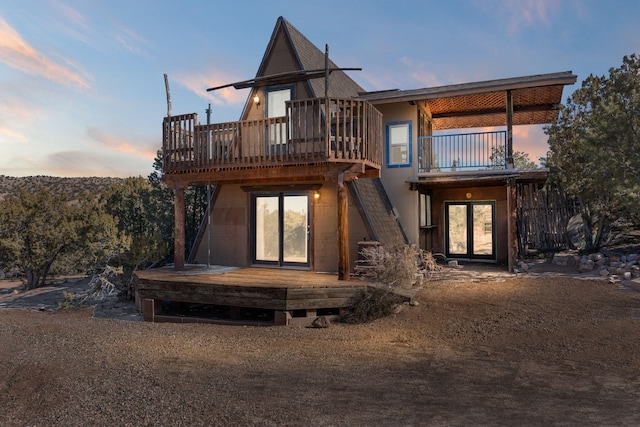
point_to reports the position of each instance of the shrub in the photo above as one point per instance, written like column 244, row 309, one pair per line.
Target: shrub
column 371, row 303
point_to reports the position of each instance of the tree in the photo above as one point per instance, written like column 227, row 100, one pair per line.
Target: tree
column 42, row 234
column 521, row 160
column 195, row 201
column 594, row 149
column 145, row 215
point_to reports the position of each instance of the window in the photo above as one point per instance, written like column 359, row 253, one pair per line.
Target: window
column 425, row 210
column 276, row 107
column 399, row 144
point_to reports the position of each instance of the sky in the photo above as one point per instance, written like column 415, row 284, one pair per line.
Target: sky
column 82, row 88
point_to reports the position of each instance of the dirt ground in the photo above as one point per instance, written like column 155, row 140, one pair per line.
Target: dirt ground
column 481, row 348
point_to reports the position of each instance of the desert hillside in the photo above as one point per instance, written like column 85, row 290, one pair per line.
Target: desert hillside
column 10, row 185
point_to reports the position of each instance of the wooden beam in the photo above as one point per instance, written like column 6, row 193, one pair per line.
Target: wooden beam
column 509, row 153
column 179, row 229
column 489, row 111
column 343, row 229
column 512, row 236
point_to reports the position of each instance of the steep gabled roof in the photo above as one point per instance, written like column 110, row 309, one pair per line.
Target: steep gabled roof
column 309, row 57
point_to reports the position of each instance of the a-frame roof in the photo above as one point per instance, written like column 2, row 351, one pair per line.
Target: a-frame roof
column 309, row 57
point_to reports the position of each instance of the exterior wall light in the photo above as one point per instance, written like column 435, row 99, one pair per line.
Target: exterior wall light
column 256, row 100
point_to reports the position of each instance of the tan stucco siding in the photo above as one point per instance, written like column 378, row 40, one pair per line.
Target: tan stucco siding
column 395, row 179
column 231, row 229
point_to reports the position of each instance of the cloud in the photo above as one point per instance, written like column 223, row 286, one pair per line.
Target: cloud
column 198, row 83
column 12, row 133
column 147, row 150
column 528, row 13
column 132, row 41
column 532, row 140
column 17, row 53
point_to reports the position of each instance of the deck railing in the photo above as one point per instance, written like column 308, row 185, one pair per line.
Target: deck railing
column 480, row 150
column 313, row 130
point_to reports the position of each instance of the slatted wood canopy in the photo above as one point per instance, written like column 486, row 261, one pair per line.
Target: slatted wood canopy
column 535, row 100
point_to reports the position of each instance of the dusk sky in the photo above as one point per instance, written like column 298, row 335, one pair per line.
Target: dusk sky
column 81, row 81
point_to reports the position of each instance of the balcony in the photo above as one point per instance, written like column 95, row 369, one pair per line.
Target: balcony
column 459, row 152
column 314, row 131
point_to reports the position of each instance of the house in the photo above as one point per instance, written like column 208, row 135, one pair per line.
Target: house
column 316, row 165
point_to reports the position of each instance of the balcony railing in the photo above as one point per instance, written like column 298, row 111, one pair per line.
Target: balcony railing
column 313, row 131
column 481, row 150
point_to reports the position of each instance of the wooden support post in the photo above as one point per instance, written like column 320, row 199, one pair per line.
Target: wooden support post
column 179, row 230
column 150, row 307
column 509, row 149
column 343, row 229
column 512, row 234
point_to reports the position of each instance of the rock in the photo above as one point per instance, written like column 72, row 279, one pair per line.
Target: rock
column 614, row 279
column 603, row 272
column 585, row 266
column 320, row 322
column 627, row 275
column 595, row 257
column 563, row 259
column 523, row 266
column 632, row 257
column 453, row 264
column 413, row 303
column 614, row 264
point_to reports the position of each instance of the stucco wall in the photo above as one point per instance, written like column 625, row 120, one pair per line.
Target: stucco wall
column 231, row 228
column 395, row 179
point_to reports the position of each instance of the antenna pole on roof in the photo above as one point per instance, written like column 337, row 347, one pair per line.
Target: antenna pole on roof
column 326, row 71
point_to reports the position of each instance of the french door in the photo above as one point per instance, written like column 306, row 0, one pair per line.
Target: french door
column 470, row 230
column 281, row 229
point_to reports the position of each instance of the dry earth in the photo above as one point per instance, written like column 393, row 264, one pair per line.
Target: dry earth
column 479, row 349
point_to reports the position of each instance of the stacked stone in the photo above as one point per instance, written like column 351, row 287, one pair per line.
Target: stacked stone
column 623, row 266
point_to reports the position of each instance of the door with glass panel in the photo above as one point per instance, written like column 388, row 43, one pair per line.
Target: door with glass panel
column 470, row 230
column 280, row 229
column 276, row 107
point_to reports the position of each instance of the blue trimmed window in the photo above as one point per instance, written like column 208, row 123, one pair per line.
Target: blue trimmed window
column 399, row 144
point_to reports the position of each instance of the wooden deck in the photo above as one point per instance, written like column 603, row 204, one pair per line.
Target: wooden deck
column 284, row 291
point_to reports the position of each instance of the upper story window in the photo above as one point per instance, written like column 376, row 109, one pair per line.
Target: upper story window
column 276, row 102
column 399, row 144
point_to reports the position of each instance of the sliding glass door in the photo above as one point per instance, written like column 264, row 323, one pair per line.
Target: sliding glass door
column 281, row 229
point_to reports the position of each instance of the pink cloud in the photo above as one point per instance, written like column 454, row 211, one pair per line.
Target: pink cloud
column 116, row 144
column 198, row 83
column 17, row 53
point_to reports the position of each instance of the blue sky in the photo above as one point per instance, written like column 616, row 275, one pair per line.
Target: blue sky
column 82, row 89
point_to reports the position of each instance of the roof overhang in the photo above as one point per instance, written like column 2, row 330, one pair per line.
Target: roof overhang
column 480, row 178
column 536, row 100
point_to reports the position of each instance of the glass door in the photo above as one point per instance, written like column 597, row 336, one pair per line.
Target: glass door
column 281, row 229
column 470, row 230
column 276, row 107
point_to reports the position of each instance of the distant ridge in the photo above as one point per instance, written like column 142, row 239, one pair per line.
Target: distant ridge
column 73, row 187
